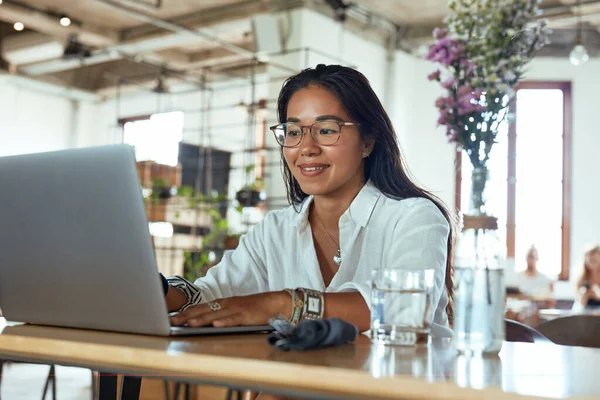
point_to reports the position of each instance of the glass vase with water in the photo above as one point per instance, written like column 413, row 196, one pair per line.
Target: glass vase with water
column 479, row 291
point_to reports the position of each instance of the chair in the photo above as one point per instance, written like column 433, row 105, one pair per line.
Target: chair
column 518, row 332
column 573, row 330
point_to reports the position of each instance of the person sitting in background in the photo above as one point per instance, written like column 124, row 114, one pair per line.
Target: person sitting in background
column 531, row 281
column 588, row 286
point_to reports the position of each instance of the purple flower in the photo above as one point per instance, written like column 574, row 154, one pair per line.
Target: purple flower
column 443, row 102
column 441, row 120
column 464, row 90
column 434, row 76
column 445, row 51
column 440, row 33
column 449, row 83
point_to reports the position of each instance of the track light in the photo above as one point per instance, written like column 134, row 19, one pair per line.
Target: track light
column 18, row 26
column 65, row 21
column 161, row 85
column 75, row 49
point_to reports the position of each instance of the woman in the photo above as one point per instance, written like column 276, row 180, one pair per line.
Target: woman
column 353, row 209
column 531, row 281
column 588, row 285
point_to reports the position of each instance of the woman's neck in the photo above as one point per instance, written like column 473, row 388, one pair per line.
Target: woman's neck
column 531, row 271
column 329, row 208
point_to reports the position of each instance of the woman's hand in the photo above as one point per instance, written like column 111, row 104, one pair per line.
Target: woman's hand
column 255, row 309
column 588, row 293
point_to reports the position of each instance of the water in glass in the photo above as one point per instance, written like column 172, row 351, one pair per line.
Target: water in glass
column 400, row 305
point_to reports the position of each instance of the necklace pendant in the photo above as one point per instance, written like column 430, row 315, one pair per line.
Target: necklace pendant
column 337, row 258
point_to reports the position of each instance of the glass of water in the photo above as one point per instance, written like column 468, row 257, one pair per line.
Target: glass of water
column 401, row 310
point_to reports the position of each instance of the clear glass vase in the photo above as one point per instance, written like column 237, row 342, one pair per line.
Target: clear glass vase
column 479, row 289
column 479, row 183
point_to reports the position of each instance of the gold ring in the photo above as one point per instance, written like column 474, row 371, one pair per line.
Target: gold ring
column 214, row 306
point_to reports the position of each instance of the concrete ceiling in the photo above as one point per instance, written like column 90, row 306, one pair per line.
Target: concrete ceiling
column 134, row 40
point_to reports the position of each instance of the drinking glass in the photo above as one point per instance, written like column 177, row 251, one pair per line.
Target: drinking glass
column 401, row 309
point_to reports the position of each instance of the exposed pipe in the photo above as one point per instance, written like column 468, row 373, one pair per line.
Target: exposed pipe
column 176, row 28
column 564, row 8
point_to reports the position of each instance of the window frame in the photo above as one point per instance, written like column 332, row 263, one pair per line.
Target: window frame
column 565, row 87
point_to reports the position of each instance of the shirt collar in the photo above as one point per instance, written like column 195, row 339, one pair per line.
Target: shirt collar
column 359, row 212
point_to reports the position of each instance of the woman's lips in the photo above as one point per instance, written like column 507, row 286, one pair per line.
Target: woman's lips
column 310, row 170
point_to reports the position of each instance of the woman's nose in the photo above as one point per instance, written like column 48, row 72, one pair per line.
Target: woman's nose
column 308, row 147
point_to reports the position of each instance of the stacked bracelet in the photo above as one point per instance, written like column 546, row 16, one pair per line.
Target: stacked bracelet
column 297, row 306
column 192, row 292
column 314, row 304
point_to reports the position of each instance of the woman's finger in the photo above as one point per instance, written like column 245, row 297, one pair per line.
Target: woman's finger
column 232, row 320
column 192, row 312
column 209, row 318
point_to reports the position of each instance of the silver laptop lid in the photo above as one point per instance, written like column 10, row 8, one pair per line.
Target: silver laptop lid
column 75, row 249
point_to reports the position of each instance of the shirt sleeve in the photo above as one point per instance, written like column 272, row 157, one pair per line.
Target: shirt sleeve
column 241, row 271
column 419, row 241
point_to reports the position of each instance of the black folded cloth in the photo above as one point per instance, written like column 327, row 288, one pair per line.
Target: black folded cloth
column 313, row 334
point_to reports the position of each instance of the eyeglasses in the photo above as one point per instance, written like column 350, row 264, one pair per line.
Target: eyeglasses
column 325, row 133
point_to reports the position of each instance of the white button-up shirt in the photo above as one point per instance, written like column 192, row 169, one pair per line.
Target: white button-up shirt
column 375, row 232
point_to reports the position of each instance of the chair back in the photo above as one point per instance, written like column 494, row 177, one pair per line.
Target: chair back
column 573, row 330
column 518, row 332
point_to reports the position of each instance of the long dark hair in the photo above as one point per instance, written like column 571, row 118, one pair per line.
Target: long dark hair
column 384, row 166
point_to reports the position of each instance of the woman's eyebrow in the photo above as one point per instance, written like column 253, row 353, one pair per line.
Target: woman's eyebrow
column 319, row 118
column 329, row 117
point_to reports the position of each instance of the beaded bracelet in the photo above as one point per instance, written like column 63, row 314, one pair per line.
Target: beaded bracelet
column 297, row 306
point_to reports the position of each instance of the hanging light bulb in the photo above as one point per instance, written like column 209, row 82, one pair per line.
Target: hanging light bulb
column 579, row 55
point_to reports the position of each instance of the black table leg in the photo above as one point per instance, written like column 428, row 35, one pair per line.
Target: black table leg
column 107, row 387
column 130, row 387
column 1, row 364
column 50, row 380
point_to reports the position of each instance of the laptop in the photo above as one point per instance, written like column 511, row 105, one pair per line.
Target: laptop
column 75, row 248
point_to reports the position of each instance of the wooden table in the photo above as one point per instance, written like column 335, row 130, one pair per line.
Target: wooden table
column 355, row 371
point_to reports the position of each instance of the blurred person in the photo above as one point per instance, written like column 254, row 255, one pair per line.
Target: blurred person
column 531, row 281
column 588, row 285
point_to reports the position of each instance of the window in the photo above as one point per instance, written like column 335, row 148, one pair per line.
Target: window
column 155, row 138
column 529, row 187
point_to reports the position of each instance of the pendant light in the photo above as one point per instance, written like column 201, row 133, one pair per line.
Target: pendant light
column 579, row 54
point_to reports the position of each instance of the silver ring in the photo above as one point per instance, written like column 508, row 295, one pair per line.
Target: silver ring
column 214, row 306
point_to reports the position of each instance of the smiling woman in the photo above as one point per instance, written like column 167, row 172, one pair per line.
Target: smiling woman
column 352, row 209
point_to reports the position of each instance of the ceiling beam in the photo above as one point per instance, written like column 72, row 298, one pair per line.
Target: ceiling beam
column 148, row 44
column 44, row 23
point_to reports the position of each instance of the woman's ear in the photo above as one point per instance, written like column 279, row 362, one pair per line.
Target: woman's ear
column 368, row 145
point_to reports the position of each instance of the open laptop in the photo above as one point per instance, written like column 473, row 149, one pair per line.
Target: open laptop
column 75, row 249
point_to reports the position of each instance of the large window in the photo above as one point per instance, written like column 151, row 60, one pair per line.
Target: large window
column 155, row 138
column 529, row 188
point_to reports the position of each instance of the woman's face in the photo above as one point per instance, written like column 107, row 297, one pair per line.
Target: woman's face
column 324, row 170
column 593, row 261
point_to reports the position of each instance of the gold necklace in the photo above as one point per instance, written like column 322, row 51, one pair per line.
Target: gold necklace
column 338, row 257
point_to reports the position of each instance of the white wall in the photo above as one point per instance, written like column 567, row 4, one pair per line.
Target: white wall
column 35, row 118
column 429, row 157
